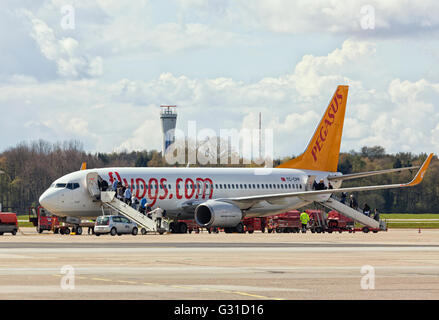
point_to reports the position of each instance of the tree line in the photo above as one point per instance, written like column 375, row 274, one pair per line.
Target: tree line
column 30, row 167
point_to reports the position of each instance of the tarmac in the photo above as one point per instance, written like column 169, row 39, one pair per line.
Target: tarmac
column 398, row 264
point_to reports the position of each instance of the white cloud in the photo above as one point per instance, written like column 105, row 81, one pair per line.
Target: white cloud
column 65, row 52
column 123, row 114
column 391, row 18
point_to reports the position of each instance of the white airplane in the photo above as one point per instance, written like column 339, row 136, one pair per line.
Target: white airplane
column 221, row 197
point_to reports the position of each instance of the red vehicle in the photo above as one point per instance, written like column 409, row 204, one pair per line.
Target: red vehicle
column 8, row 223
column 43, row 219
column 191, row 226
column 338, row 222
column 284, row 222
column 317, row 222
column 290, row 222
column 252, row 224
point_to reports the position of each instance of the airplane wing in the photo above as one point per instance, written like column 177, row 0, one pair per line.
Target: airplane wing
column 368, row 174
column 246, row 202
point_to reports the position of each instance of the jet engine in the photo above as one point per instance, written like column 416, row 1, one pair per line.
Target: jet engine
column 213, row 213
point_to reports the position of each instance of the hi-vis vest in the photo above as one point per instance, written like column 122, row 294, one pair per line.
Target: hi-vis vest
column 304, row 218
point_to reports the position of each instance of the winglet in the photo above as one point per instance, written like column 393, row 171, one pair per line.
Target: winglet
column 84, row 166
column 420, row 175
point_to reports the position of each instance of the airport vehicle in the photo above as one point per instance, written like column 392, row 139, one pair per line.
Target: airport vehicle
column 8, row 223
column 43, row 220
column 222, row 197
column 192, row 226
column 318, row 221
column 252, row 224
column 338, row 222
column 290, row 222
column 285, row 222
column 115, row 225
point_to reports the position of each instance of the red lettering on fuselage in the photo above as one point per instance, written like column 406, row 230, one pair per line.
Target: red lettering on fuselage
column 151, row 188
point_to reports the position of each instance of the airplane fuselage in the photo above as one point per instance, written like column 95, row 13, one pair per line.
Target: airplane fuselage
column 175, row 189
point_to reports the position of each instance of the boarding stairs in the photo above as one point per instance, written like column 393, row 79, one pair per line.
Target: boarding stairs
column 109, row 200
column 356, row 215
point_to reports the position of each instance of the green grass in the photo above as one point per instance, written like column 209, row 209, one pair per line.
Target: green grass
column 409, row 216
column 25, row 224
column 412, row 224
column 408, row 225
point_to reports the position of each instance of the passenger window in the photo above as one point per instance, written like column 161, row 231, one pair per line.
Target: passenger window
column 60, row 185
column 262, row 186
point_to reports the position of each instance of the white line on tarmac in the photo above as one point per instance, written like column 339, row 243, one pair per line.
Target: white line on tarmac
column 216, row 249
column 197, row 269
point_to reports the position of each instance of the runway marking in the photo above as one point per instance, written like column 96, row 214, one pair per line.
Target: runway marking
column 180, row 287
column 129, row 282
column 100, row 279
column 242, row 294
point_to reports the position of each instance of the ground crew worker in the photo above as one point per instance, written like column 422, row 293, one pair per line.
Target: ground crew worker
column 304, row 219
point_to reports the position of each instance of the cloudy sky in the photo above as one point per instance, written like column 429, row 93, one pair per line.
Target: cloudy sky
column 97, row 71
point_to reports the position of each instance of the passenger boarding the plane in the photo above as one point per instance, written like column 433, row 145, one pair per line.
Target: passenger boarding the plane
column 115, row 182
column 134, row 202
column 157, row 215
column 320, row 185
column 376, row 215
column 366, row 210
column 104, row 185
column 142, row 207
column 127, row 196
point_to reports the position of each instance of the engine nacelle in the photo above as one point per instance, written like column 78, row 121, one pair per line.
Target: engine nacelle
column 213, row 213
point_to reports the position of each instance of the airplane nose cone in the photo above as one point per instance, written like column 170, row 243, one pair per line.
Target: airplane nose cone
column 47, row 200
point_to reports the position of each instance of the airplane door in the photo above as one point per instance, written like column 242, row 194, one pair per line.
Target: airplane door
column 92, row 184
column 310, row 182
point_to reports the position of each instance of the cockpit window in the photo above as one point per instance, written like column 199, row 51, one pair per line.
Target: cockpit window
column 72, row 186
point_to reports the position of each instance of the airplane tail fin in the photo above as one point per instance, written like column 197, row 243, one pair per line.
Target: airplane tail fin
column 323, row 150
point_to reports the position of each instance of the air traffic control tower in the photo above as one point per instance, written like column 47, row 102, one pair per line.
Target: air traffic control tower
column 168, row 116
